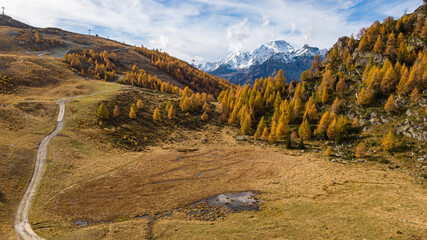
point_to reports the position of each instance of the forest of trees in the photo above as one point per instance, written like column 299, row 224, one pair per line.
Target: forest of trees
column 184, row 73
column 275, row 111
column 101, row 65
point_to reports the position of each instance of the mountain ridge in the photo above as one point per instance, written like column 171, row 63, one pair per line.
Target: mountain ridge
column 243, row 67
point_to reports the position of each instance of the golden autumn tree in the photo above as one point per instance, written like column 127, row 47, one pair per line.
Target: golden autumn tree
column 260, row 128
column 360, row 150
column 139, row 104
column 388, row 142
column 171, row 112
column 264, row 136
column 390, row 106
column 304, row 130
column 282, row 130
column 341, row 86
column 204, row 117
column 272, row 135
column 246, row 127
column 365, row 97
column 132, row 112
column 323, row 124
column 156, row 115
column 168, row 105
column 116, row 111
column 102, row 112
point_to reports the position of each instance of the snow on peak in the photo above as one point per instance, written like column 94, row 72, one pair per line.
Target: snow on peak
column 279, row 48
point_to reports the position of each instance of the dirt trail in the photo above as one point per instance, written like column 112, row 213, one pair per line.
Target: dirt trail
column 22, row 224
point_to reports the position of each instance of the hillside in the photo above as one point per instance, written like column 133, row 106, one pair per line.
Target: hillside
column 363, row 91
column 132, row 143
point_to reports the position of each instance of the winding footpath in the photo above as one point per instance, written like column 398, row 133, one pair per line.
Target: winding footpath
column 22, row 224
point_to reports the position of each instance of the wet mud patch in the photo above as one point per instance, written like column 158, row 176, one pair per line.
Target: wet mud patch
column 220, row 206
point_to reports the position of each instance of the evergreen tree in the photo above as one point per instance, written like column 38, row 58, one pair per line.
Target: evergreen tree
column 168, row 105
column 116, row 111
column 102, row 112
column 265, row 134
column 341, row 86
column 388, row 142
column 390, row 106
column 132, row 112
column 246, row 127
column 304, row 130
column 260, row 128
column 156, row 115
column 139, row 104
column 360, row 150
column 204, row 117
column 171, row 112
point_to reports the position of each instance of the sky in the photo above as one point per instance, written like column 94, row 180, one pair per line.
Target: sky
column 208, row 30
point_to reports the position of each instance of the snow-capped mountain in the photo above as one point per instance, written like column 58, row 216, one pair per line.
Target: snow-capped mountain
column 239, row 67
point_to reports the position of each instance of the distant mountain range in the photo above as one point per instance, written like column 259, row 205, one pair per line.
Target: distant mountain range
column 244, row 67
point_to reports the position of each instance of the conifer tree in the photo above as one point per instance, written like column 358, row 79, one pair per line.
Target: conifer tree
column 336, row 105
column 102, row 112
column 260, row 128
column 388, row 142
column 246, row 127
column 204, row 117
column 171, row 112
column 390, row 106
column 304, row 130
column 341, row 86
column 168, row 105
column 272, row 135
column 323, row 124
column 332, row 129
column 132, row 112
column 379, row 45
column 365, row 97
column 139, row 104
column 281, row 130
column 116, row 111
column 360, row 150
column 294, row 139
column 156, row 115
column 389, row 81
column 325, row 95
column 264, row 136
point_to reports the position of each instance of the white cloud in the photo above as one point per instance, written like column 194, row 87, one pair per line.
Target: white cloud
column 206, row 30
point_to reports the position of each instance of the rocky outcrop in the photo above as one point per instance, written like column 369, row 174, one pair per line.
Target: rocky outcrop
column 412, row 130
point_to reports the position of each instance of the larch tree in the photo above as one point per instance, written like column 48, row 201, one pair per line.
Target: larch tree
column 341, row 86
column 102, row 112
column 360, row 150
column 171, row 112
column 379, row 45
column 132, row 112
column 304, row 130
column 156, row 115
column 390, row 106
column 323, row 124
column 272, row 135
column 139, row 104
column 365, row 97
column 246, row 127
column 294, row 139
column 281, row 130
column 204, row 117
column 388, row 142
column 260, row 128
column 264, row 136
column 168, row 105
column 116, row 111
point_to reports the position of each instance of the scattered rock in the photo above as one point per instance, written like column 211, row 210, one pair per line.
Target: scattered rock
column 421, row 159
column 240, row 138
